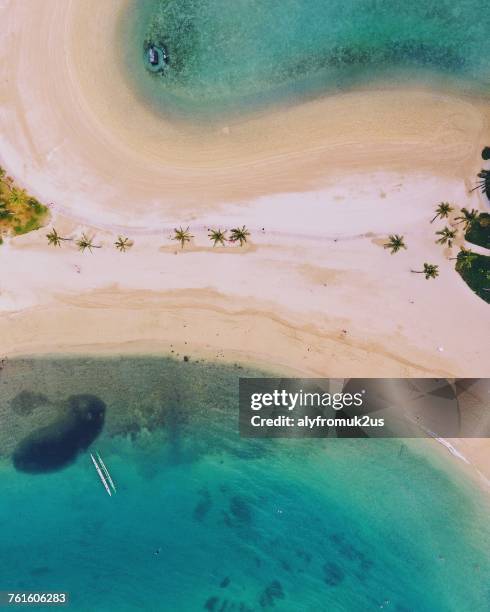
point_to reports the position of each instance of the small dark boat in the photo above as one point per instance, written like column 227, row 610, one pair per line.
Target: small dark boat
column 153, row 56
column 156, row 57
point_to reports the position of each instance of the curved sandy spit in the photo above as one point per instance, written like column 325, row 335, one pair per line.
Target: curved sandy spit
column 72, row 127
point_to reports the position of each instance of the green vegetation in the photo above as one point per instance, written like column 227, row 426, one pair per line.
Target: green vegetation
column 474, row 269
column 465, row 258
column 430, row 271
column 446, row 236
column 84, row 243
column 217, row 237
column 442, row 211
column 483, row 184
column 395, row 243
column 182, row 236
column 19, row 212
column 239, row 234
column 478, row 231
column 54, row 238
column 123, row 243
column 467, row 217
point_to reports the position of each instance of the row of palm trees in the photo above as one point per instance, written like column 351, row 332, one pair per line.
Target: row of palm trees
column 240, row 235
column 123, row 243
column 447, row 235
column 467, row 217
column 217, row 236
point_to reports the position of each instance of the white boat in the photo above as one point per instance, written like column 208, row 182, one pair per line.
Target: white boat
column 153, row 56
column 106, row 472
column 101, row 475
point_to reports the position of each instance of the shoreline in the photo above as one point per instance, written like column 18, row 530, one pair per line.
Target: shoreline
column 321, row 185
column 147, row 324
column 467, row 455
column 175, row 169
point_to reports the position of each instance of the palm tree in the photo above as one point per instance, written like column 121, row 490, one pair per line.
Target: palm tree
column 446, row 236
column 430, row 271
column 467, row 217
column 54, row 238
column 86, row 243
column 182, row 235
column 442, row 211
column 395, row 243
column 217, row 236
column 239, row 234
column 123, row 243
column 465, row 259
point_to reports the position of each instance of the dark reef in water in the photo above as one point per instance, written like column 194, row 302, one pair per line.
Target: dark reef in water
column 271, row 592
column 57, row 445
column 333, row 574
column 203, row 506
column 240, row 509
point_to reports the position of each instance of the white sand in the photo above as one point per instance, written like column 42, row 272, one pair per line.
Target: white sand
column 314, row 294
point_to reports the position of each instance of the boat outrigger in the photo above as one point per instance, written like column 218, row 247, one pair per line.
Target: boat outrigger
column 106, row 472
column 103, row 473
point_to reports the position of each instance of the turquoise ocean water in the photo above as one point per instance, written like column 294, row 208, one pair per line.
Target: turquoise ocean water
column 204, row 520
column 227, row 57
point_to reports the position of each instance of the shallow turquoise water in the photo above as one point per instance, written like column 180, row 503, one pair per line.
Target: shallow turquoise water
column 313, row 525
column 231, row 56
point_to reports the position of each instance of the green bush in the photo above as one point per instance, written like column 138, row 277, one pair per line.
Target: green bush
column 474, row 269
column 479, row 231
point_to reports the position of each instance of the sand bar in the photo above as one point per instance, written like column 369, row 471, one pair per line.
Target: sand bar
column 72, row 127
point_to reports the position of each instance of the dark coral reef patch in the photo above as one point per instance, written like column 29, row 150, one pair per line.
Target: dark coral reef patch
column 57, row 445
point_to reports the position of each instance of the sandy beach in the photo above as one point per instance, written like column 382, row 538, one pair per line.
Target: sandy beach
column 320, row 186
column 87, row 127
